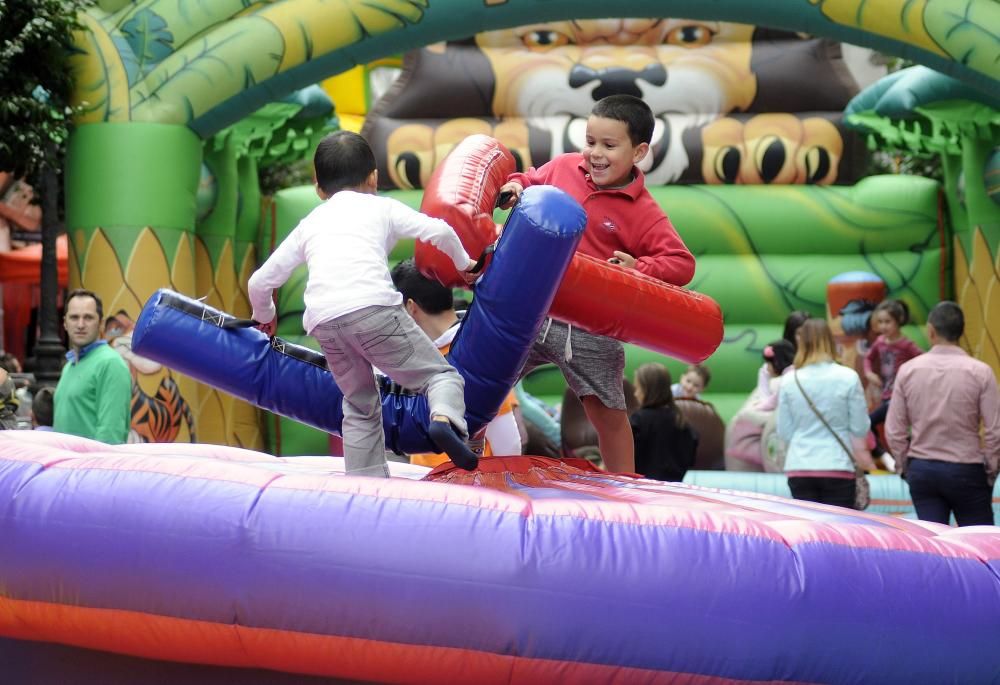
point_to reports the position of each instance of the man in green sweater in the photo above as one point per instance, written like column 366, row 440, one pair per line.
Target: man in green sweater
column 94, row 393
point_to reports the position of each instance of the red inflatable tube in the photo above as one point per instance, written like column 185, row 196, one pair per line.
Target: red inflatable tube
column 595, row 296
column 463, row 191
column 629, row 306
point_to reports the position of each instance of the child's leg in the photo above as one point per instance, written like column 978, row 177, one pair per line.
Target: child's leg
column 877, row 417
column 408, row 356
column 364, row 440
column 594, row 371
column 614, row 435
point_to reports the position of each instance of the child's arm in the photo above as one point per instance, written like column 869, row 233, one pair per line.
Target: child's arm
column 272, row 274
column 413, row 224
column 518, row 181
column 661, row 254
column 873, row 360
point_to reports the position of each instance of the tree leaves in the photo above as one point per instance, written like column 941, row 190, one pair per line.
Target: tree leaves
column 35, row 40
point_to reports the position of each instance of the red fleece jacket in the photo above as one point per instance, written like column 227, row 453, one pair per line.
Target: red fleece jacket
column 625, row 219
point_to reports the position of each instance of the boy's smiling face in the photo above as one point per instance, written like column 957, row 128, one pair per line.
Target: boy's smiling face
column 609, row 152
column 692, row 384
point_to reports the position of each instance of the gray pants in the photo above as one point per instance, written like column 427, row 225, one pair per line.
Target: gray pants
column 387, row 338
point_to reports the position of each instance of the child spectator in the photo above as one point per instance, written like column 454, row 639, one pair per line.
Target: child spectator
column 665, row 444
column 778, row 357
column 354, row 312
column 8, row 401
column 793, row 322
column 890, row 350
column 625, row 226
column 42, row 409
column 432, row 306
column 746, row 447
column 693, row 382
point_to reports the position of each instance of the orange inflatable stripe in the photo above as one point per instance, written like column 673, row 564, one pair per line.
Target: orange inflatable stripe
column 201, row 642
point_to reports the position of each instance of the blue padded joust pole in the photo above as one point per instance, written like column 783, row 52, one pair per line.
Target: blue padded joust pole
column 511, row 302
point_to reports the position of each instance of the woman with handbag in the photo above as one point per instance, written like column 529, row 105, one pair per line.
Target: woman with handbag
column 821, row 406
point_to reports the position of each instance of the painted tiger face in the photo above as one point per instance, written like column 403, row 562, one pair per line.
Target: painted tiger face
column 689, row 73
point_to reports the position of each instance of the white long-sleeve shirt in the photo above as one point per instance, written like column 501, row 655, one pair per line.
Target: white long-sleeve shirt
column 345, row 243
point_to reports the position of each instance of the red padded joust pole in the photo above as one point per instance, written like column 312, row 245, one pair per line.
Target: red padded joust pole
column 595, row 296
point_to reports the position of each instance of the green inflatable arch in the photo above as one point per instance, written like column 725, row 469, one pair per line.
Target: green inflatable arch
column 217, row 62
column 161, row 82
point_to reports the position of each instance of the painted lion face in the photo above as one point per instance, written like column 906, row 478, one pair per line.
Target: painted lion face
column 688, row 72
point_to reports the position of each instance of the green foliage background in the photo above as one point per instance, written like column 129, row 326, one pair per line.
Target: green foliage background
column 35, row 116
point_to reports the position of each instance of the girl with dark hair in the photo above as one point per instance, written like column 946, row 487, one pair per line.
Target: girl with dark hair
column 792, row 322
column 665, row 444
column 890, row 350
column 750, row 445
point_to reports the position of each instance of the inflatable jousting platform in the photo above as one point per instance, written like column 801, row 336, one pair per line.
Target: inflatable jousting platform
column 208, row 564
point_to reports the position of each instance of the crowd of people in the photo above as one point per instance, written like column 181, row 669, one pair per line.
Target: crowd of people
column 808, row 415
column 940, row 409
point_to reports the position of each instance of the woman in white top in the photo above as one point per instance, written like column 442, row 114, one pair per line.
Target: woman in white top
column 819, row 468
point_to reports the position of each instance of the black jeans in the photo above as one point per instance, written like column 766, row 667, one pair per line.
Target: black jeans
column 825, row 490
column 877, row 418
column 942, row 488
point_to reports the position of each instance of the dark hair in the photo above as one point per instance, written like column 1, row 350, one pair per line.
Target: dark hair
column 706, row 375
column 8, row 362
column 81, row 292
column 343, row 160
column 429, row 295
column 792, row 323
column 948, row 320
column 42, row 406
column 897, row 309
column 635, row 113
column 780, row 353
column 653, row 380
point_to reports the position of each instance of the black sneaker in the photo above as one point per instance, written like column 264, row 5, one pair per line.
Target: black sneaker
column 447, row 439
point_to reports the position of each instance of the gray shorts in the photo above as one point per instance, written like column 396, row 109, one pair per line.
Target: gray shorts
column 596, row 366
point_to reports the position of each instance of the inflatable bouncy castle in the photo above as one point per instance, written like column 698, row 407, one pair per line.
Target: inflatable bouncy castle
column 206, row 563
column 767, row 84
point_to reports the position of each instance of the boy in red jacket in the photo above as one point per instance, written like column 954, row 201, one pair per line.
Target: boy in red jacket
column 625, row 226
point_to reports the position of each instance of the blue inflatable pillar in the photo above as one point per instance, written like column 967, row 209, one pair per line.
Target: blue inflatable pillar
column 512, row 300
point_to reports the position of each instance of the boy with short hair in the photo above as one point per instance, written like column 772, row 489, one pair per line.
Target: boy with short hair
column 693, row 382
column 42, row 409
column 432, row 306
column 355, row 313
column 625, row 226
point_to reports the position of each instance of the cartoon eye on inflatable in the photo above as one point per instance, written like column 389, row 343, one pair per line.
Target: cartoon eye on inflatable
column 543, row 39
column 690, row 36
column 769, row 157
column 817, row 164
column 727, row 163
column 410, row 149
column 821, row 150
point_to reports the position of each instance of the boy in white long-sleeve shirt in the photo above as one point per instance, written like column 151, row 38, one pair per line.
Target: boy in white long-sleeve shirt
column 353, row 310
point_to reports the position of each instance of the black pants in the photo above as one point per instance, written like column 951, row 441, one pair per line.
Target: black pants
column 942, row 488
column 877, row 418
column 825, row 490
